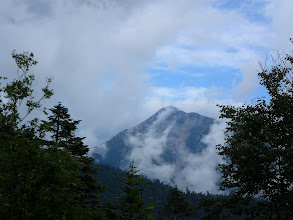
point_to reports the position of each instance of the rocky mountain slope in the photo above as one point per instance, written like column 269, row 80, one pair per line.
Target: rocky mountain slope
column 162, row 137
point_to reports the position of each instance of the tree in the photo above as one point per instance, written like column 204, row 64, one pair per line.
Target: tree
column 35, row 183
column 258, row 150
column 62, row 129
column 17, row 143
column 20, row 90
column 177, row 205
column 132, row 199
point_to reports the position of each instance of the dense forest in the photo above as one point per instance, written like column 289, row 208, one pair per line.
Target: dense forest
column 46, row 172
column 198, row 205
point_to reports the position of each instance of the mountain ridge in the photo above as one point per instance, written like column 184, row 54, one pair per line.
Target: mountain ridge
column 180, row 130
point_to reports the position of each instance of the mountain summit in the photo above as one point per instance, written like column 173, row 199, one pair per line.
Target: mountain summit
column 160, row 139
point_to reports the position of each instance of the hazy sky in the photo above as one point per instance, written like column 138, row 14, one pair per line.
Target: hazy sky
column 116, row 62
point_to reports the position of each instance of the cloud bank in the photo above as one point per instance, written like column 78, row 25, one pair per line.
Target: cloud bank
column 197, row 171
column 102, row 54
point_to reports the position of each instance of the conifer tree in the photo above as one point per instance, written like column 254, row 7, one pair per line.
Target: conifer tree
column 62, row 128
column 177, row 205
column 36, row 182
column 132, row 199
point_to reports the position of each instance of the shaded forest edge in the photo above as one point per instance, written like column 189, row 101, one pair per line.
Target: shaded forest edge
column 202, row 203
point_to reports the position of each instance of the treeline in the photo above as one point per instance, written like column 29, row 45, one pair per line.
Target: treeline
column 171, row 201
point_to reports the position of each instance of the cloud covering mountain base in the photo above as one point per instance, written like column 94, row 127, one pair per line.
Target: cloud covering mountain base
column 172, row 146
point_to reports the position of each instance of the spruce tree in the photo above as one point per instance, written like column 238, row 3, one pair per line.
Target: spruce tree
column 132, row 199
column 62, row 128
column 177, row 206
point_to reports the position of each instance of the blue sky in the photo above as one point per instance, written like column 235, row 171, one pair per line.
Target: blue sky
column 117, row 62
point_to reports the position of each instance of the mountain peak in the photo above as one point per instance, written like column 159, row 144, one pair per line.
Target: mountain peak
column 169, row 108
column 164, row 135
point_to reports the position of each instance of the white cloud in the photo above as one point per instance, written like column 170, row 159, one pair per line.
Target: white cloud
column 250, row 79
column 99, row 52
column 195, row 171
column 179, row 93
column 148, row 148
column 225, row 38
column 280, row 12
column 82, row 44
column 189, row 99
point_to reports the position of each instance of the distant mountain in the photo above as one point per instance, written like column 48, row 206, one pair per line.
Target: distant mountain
column 162, row 137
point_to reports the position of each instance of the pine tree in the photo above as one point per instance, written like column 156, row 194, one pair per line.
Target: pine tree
column 177, row 205
column 132, row 200
column 62, row 128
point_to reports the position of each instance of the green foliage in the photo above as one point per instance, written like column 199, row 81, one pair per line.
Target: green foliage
column 34, row 183
column 20, row 91
column 41, row 179
column 177, row 205
column 226, row 207
column 259, row 148
column 132, row 199
column 62, row 129
column 157, row 191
